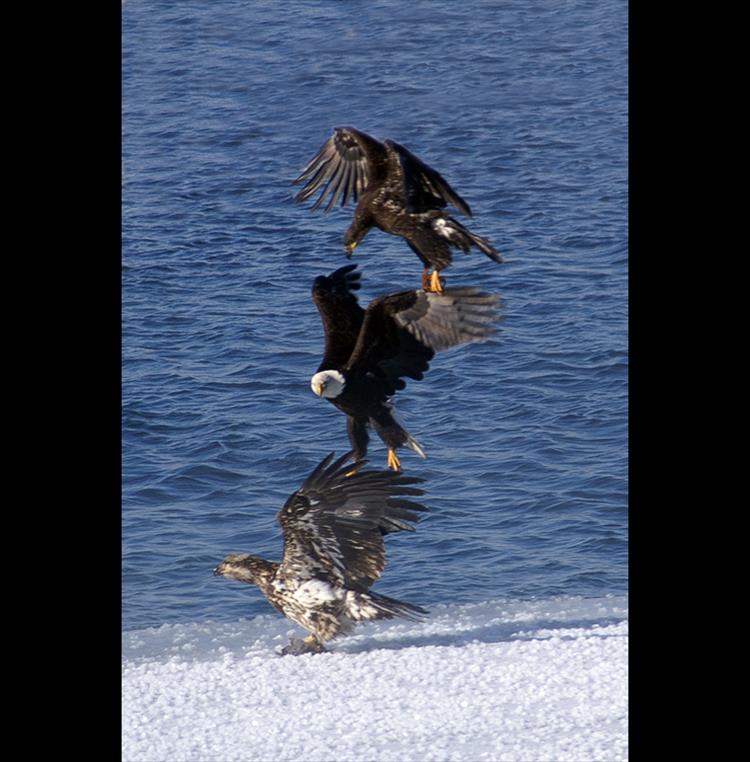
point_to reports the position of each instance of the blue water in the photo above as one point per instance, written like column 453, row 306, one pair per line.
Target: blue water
column 522, row 106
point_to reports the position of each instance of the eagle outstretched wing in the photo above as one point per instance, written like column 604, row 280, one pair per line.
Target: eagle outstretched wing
column 401, row 332
column 334, row 524
column 344, row 166
column 351, row 160
column 424, row 187
column 339, row 312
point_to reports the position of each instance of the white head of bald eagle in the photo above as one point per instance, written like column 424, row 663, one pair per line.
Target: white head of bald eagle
column 328, row 383
column 370, row 353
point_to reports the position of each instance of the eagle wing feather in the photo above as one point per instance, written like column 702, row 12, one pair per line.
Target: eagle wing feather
column 334, row 524
column 343, row 167
column 340, row 314
column 425, row 187
column 401, row 332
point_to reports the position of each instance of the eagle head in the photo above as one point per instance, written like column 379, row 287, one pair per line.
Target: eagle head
column 328, row 383
column 356, row 232
column 245, row 568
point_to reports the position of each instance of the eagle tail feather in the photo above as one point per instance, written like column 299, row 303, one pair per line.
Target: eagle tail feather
column 485, row 246
column 371, row 605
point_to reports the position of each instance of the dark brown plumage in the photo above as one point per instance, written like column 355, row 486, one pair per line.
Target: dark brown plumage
column 368, row 353
column 396, row 192
column 333, row 528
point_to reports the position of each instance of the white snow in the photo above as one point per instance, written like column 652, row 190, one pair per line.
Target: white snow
column 501, row 680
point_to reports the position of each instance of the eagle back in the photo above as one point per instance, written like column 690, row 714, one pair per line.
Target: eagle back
column 424, row 187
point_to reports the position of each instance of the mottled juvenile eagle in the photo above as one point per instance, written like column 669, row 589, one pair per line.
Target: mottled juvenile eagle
column 368, row 353
column 396, row 192
column 333, row 528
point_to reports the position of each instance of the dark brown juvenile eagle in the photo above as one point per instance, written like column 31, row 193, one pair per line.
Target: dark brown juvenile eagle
column 396, row 192
column 368, row 353
column 333, row 528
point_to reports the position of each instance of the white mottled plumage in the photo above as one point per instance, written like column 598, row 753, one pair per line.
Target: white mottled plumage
column 315, row 592
column 333, row 530
column 442, row 228
column 359, row 606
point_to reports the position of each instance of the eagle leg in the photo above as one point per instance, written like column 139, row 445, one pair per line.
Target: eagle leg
column 297, row 647
column 426, row 279
column 393, row 462
column 436, row 282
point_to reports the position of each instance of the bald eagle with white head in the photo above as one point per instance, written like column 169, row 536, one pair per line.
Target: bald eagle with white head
column 333, row 528
column 396, row 192
column 368, row 353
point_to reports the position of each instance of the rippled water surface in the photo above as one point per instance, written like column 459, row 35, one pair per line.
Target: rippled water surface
column 522, row 106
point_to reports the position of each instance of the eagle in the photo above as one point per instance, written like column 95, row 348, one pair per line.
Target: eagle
column 368, row 353
column 396, row 192
column 333, row 528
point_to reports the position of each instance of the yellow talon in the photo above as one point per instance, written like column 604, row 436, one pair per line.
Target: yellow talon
column 436, row 283
column 313, row 644
column 393, row 461
column 351, row 473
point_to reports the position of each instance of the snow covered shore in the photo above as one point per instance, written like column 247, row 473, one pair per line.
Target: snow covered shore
column 500, row 680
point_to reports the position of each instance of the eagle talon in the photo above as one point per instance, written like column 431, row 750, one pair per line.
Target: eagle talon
column 393, row 461
column 437, row 283
column 298, row 646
